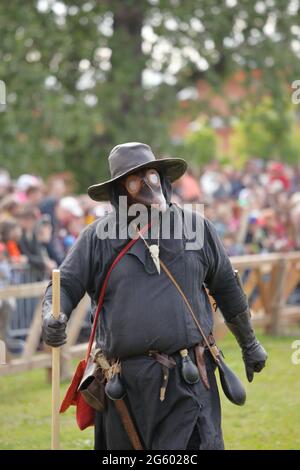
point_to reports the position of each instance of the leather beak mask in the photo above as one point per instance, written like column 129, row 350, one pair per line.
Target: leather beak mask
column 144, row 187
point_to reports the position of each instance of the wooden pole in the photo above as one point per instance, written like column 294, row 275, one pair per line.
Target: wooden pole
column 278, row 300
column 55, row 363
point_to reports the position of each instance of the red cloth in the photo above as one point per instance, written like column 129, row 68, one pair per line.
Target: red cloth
column 71, row 396
column 85, row 415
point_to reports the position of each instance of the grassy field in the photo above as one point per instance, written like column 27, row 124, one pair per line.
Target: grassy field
column 269, row 420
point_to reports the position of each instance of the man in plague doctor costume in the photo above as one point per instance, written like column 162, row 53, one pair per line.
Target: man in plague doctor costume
column 145, row 322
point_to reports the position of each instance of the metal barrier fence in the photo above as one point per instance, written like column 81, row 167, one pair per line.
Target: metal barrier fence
column 22, row 315
column 21, row 310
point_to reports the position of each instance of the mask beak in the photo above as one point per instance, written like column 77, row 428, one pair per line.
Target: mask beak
column 160, row 204
column 157, row 199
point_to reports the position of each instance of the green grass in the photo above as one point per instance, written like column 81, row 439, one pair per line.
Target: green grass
column 269, row 420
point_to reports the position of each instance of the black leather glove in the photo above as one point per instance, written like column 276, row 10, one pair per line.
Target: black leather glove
column 254, row 355
column 53, row 330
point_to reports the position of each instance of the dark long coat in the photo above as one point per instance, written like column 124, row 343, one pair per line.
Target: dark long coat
column 143, row 311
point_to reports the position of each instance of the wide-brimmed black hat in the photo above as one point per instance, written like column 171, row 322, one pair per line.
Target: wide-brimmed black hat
column 125, row 159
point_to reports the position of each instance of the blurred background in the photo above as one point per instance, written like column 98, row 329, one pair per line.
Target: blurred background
column 213, row 82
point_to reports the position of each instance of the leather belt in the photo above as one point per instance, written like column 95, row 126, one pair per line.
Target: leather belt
column 167, row 363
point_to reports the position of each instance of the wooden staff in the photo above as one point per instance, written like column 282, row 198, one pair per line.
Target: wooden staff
column 55, row 363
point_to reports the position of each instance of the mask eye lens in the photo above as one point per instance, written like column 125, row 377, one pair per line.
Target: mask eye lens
column 133, row 184
column 153, row 177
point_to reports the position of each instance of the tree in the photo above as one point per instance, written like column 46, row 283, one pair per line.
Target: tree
column 200, row 145
column 84, row 76
column 268, row 132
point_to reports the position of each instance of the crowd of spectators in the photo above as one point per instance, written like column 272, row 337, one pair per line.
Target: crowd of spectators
column 39, row 222
column 255, row 209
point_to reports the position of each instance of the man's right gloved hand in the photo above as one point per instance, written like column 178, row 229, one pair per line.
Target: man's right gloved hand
column 53, row 330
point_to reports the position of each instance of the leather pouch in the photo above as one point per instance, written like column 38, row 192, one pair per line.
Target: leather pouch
column 92, row 386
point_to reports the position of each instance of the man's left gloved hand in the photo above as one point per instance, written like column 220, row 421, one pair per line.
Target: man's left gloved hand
column 254, row 355
column 255, row 358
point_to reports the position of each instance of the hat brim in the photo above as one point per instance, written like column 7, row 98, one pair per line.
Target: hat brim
column 173, row 168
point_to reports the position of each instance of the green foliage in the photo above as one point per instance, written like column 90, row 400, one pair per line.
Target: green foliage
column 75, row 71
column 269, row 419
column 268, row 131
column 200, row 146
